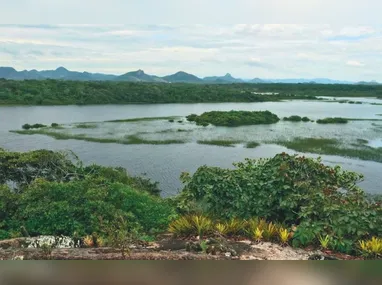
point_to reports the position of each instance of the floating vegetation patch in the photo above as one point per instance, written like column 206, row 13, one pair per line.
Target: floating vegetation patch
column 86, row 126
column 336, row 120
column 225, row 143
column 295, row 118
column 131, row 139
column 252, row 144
column 142, row 119
column 333, row 147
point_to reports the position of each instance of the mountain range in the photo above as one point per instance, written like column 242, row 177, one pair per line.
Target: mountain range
column 62, row 73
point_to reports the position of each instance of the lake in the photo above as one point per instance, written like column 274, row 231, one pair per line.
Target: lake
column 164, row 163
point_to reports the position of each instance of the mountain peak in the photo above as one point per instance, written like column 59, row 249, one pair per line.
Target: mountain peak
column 61, row 68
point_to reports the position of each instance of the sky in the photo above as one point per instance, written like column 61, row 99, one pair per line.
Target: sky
column 348, row 47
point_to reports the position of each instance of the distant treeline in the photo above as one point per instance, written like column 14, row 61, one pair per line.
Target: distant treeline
column 56, row 92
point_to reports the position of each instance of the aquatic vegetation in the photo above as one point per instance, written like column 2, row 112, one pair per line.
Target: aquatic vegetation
column 35, row 126
column 295, row 118
column 141, row 119
column 252, row 144
column 336, row 120
column 234, row 118
column 131, row 139
column 86, row 126
column 332, row 147
column 225, row 143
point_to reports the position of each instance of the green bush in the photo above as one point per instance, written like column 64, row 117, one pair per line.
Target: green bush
column 234, row 118
column 54, row 125
column 35, row 126
column 287, row 189
column 83, row 207
column 336, row 120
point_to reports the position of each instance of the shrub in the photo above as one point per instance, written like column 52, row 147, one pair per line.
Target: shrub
column 234, row 118
column 293, row 190
column 54, row 125
column 336, row 120
column 171, row 120
column 83, row 206
column 35, row 126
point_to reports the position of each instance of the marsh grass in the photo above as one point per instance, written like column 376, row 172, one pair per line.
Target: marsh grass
column 142, row 119
column 131, row 139
column 336, row 120
column 252, row 144
column 333, row 147
column 225, row 143
column 86, row 126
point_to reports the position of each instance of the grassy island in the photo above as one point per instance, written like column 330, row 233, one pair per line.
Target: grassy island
column 234, row 118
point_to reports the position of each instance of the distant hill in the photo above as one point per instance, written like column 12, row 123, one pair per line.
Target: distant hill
column 139, row 76
column 182, row 76
column 222, row 79
column 62, row 73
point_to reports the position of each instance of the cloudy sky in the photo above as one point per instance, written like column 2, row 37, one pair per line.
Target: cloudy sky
column 348, row 51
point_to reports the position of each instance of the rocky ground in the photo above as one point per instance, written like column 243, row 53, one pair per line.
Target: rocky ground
column 165, row 249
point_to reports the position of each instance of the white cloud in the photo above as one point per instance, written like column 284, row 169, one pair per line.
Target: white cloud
column 245, row 50
column 355, row 63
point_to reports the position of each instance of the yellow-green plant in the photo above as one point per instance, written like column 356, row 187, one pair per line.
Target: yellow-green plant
column 371, row 248
column 270, row 231
column 201, row 224
column 262, row 224
column 250, row 226
column 284, row 236
column 221, row 228
column 258, row 234
column 235, row 226
column 324, row 241
column 182, row 226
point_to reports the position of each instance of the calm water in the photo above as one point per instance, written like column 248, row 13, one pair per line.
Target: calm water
column 164, row 163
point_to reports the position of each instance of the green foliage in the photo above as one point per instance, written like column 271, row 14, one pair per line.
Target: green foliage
column 83, row 206
column 171, row 120
column 288, row 189
column 226, row 143
column 252, row 145
column 333, row 147
column 86, row 126
column 35, row 126
column 234, row 118
column 336, row 120
column 296, row 119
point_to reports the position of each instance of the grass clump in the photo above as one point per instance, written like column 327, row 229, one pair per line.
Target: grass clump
column 225, row 143
column 86, row 126
column 295, row 118
column 132, row 139
column 252, row 144
column 141, row 119
column 333, row 147
column 234, row 118
column 336, row 120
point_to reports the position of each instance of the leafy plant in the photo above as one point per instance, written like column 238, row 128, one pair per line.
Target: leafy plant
column 324, row 241
column 47, row 250
column 371, row 248
column 222, row 229
column 235, row 226
column 270, row 231
column 181, row 226
column 204, row 246
column 284, row 235
column 202, row 224
column 258, row 234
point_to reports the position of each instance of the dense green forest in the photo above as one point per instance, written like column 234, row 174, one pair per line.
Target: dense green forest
column 56, row 92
